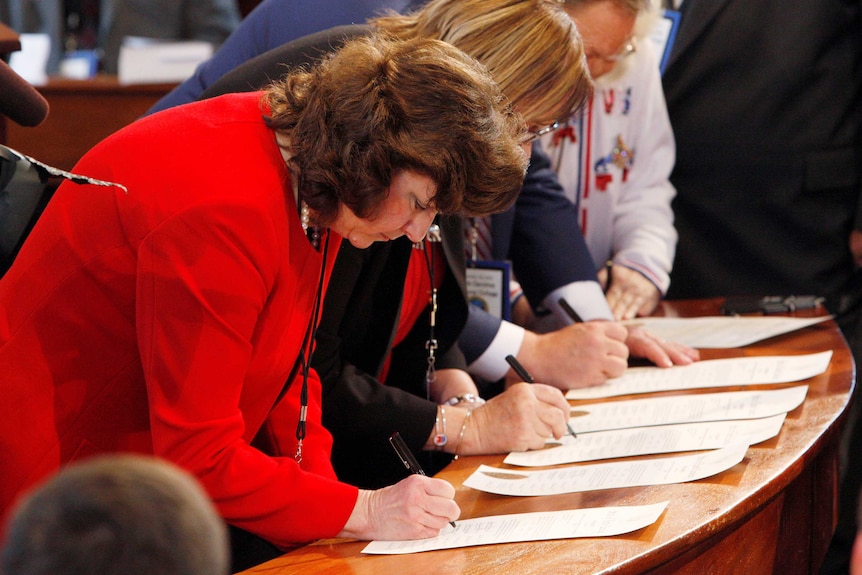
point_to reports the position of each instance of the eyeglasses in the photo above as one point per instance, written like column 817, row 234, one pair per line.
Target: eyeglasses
column 629, row 48
column 533, row 135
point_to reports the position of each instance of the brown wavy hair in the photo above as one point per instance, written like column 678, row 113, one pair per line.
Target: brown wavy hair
column 378, row 106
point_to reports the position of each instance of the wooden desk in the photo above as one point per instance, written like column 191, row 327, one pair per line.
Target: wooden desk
column 9, row 40
column 773, row 513
column 82, row 113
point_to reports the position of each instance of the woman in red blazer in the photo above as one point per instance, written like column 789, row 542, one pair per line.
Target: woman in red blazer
column 161, row 307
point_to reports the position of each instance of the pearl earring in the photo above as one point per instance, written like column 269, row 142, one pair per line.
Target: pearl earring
column 311, row 232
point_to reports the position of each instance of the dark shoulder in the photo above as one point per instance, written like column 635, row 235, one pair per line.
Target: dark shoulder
column 261, row 70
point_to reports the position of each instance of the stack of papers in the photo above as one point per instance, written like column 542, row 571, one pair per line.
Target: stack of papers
column 542, row 526
column 719, row 427
column 614, row 475
column 722, row 332
column 727, row 372
column 649, row 441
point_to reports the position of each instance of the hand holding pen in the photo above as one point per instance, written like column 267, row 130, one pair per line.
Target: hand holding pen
column 630, row 294
column 525, row 375
column 407, row 458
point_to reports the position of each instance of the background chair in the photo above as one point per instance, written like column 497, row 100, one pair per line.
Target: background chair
column 25, row 187
column 24, row 190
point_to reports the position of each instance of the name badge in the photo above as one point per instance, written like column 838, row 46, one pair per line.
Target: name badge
column 663, row 35
column 488, row 287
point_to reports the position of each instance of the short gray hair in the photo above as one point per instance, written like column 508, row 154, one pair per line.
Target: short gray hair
column 117, row 515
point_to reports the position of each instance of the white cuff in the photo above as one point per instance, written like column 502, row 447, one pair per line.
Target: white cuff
column 492, row 364
column 585, row 297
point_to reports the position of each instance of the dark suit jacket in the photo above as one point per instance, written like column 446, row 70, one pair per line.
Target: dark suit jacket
column 765, row 99
column 271, row 23
column 271, row 65
column 540, row 235
column 360, row 315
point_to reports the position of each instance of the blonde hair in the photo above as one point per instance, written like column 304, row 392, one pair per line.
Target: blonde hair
column 530, row 47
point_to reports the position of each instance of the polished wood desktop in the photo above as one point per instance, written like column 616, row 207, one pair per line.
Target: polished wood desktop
column 772, row 513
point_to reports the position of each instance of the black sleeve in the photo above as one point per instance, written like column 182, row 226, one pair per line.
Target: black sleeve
column 264, row 68
column 359, row 317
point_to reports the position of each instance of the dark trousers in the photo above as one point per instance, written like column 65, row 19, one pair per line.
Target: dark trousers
column 248, row 550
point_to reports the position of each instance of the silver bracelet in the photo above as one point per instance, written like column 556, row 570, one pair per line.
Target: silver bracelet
column 463, row 429
column 440, row 437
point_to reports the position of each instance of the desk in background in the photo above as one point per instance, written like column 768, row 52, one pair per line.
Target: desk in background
column 82, row 113
column 9, row 40
column 773, row 513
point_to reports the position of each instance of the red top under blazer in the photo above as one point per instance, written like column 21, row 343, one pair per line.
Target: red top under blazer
column 165, row 318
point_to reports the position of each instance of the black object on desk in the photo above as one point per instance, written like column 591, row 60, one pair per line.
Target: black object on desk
column 736, row 305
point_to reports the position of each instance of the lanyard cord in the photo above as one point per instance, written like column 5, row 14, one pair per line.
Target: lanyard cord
column 431, row 344
column 306, row 351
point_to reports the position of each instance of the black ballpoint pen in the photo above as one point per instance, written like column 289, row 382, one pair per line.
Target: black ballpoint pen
column 407, row 458
column 569, row 310
column 609, row 268
column 525, row 375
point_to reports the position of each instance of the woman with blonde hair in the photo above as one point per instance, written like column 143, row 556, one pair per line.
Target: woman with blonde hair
column 531, row 48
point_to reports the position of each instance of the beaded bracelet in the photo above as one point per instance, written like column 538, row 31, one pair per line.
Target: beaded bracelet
column 463, row 429
column 440, row 438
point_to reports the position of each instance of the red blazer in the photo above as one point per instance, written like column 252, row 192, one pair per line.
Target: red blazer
column 165, row 317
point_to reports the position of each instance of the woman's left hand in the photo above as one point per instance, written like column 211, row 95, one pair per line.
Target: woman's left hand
column 630, row 294
column 661, row 352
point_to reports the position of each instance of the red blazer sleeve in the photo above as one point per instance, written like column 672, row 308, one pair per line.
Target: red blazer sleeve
column 277, row 437
column 209, row 368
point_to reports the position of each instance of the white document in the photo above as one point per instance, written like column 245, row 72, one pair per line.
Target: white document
column 606, row 475
column 539, row 526
column 722, row 331
column 710, row 373
column 689, row 408
column 148, row 62
column 649, row 441
column 31, row 61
